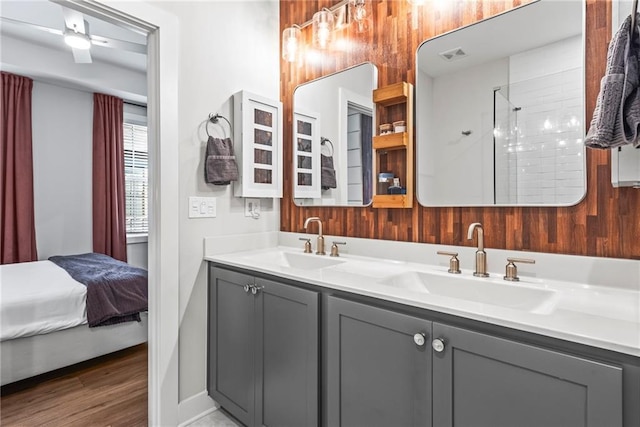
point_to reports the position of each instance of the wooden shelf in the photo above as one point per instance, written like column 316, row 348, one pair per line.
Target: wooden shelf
column 393, row 94
column 392, row 141
column 394, row 152
column 392, row 201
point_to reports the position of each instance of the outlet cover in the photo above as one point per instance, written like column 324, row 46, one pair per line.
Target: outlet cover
column 252, row 208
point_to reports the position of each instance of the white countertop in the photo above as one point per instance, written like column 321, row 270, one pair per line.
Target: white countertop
column 600, row 316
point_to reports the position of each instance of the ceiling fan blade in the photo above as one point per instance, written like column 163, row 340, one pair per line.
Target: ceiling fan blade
column 81, row 56
column 74, row 20
column 119, row 44
column 34, row 26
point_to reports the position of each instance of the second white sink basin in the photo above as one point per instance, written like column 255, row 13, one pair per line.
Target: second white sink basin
column 478, row 290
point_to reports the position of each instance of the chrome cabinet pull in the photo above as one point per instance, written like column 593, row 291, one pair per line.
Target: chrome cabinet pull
column 255, row 289
column 438, row 345
column 419, row 339
column 247, row 288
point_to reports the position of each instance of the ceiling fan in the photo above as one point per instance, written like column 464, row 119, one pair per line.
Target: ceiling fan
column 77, row 35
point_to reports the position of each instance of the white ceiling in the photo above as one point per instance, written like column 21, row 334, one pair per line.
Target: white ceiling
column 48, row 14
column 527, row 27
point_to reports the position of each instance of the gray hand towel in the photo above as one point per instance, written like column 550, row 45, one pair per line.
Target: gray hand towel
column 616, row 119
column 327, row 173
column 220, row 162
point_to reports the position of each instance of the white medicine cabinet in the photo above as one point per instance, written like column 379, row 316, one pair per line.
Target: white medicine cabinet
column 258, row 138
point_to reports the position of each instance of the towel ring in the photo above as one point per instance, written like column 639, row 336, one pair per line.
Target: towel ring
column 213, row 118
column 322, row 142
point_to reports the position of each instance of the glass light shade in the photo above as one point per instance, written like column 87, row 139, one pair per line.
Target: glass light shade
column 291, row 40
column 77, row 40
column 360, row 10
column 323, row 25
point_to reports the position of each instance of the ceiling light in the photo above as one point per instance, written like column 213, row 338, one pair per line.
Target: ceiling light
column 76, row 39
column 291, row 43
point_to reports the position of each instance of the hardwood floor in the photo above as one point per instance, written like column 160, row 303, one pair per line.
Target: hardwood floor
column 108, row 391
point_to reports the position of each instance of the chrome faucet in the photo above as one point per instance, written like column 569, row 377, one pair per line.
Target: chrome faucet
column 481, row 255
column 320, row 244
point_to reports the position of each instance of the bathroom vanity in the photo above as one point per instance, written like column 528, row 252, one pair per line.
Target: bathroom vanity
column 300, row 339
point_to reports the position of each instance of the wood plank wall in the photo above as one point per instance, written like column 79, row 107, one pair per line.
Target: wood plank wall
column 606, row 223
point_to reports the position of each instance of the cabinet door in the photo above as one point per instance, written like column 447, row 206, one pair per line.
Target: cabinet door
column 287, row 362
column 480, row 380
column 377, row 374
column 231, row 343
column 258, row 130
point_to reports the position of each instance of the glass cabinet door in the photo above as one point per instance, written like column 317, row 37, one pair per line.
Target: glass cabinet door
column 258, row 131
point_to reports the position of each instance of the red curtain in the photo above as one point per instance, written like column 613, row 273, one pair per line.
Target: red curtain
column 17, row 221
column 109, row 229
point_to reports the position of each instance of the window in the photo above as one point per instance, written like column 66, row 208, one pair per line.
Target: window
column 136, row 178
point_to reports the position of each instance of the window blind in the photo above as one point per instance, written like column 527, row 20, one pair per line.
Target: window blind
column 136, row 161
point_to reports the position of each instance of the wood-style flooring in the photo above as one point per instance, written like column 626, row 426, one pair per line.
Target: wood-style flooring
column 108, row 391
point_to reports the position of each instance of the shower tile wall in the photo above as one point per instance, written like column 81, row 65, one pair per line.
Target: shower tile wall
column 544, row 162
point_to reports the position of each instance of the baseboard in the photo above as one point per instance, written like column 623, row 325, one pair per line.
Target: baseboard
column 195, row 407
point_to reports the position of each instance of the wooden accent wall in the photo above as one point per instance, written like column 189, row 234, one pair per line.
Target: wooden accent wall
column 606, row 223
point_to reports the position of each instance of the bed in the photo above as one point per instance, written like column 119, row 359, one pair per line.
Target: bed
column 44, row 324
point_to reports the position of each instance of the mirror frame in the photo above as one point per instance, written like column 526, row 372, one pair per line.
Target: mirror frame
column 583, row 114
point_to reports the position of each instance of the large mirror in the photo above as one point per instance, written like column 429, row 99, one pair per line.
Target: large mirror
column 333, row 122
column 500, row 110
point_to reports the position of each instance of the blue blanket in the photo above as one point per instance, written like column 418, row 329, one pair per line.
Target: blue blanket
column 116, row 291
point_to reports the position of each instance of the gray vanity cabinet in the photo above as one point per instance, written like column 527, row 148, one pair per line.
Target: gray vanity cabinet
column 263, row 350
column 379, row 371
column 480, row 380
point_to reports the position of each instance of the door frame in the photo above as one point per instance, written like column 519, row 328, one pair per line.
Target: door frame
column 161, row 28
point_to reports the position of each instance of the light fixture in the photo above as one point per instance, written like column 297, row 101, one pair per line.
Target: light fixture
column 76, row 39
column 359, row 15
column 291, row 43
column 323, row 26
column 325, row 23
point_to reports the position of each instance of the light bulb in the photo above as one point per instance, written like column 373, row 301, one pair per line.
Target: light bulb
column 291, row 43
column 323, row 24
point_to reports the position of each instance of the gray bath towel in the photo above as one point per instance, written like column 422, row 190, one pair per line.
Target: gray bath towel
column 220, row 164
column 616, row 119
column 327, row 172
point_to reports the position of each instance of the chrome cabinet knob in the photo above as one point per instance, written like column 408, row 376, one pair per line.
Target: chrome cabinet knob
column 438, row 345
column 247, row 288
column 419, row 339
column 255, row 289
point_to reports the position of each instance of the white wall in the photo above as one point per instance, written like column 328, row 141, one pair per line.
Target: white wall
column 225, row 46
column 548, row 164
column 469, row 94
column 62, row 132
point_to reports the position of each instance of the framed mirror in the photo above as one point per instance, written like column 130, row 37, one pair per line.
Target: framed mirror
column 333, row 122
column 500, row 110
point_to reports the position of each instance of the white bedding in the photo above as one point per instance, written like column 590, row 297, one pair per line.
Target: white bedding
column 37, row 298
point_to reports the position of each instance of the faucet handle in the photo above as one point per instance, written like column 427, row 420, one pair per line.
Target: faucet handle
column 334, row 248
column 307, row 245
column 454, row 262
column 511, row 270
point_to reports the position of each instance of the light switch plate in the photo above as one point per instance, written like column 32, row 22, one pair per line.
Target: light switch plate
column 202, row 207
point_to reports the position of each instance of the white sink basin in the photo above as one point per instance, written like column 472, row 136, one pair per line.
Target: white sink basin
column 478, row 290
column 300, row 261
